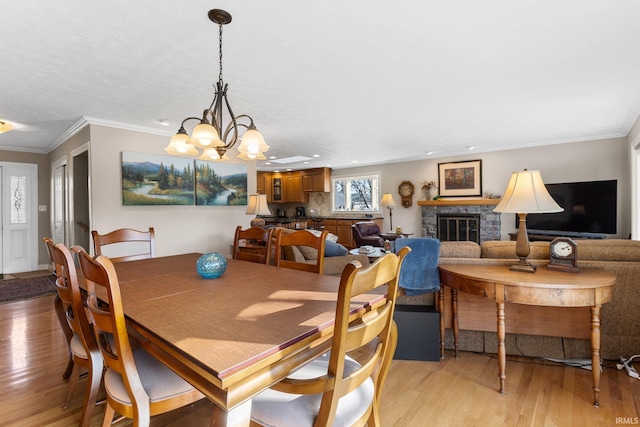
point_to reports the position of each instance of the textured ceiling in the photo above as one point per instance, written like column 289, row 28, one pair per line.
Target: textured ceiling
column 367, row 80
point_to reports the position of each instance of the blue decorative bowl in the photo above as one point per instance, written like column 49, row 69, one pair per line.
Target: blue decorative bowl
column 211, row 266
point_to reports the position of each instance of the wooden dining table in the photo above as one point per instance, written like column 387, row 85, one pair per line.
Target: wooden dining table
column 233, row 336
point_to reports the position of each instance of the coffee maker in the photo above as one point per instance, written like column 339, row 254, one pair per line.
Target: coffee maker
column 300, row 211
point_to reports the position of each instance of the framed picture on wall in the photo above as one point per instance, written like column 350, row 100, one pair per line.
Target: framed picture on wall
column 152, row 179
column 460, row 179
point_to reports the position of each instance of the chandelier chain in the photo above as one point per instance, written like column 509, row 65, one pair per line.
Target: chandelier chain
column 220, row 50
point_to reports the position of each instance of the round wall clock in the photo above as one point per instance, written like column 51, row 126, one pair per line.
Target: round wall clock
column 406, row 189
column 562, row 255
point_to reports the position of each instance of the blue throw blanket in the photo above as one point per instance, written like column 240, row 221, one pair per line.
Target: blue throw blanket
column 419, row 273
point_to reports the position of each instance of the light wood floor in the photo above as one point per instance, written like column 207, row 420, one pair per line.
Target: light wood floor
column 452, row 392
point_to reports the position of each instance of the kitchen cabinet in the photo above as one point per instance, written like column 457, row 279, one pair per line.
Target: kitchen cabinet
column 318, row 180
column 293, row 188
column 261, row 182
column 285, row 187
column 276, row 189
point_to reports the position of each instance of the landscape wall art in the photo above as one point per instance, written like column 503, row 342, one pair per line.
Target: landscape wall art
column 150, row 179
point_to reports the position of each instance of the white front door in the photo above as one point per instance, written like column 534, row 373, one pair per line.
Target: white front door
column 19, row 217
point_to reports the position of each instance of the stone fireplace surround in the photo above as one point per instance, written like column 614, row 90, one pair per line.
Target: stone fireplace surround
column 489, row 220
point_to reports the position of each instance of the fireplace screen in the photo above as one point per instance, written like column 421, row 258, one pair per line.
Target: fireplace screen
column 459, row 227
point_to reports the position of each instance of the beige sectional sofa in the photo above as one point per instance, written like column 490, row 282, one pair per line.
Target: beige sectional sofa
column 620, row 321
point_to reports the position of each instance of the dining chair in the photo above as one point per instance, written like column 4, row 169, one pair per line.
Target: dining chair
column 83, row 348
column 336, row 389
column 142, row 242
column 260, row 244
column 138, row 385
column 284, row 241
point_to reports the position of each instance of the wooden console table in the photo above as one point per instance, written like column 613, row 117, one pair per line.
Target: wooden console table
column 588, row 288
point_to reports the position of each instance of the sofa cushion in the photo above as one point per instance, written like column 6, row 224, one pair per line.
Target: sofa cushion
column 459, row 250
column 308, row 252
column 334, row 249
column 292, row 253
column 330, row 236
column 608, row 250
column 506, row 249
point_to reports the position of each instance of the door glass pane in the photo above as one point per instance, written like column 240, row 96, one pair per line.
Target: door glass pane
column 18, row 199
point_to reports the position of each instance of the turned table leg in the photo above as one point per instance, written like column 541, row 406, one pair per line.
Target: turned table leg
column 454, row 319
column 595, row 352
column 441, row 310
column 502, row 355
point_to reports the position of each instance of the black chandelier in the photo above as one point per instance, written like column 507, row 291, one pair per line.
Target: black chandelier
column 210, row 135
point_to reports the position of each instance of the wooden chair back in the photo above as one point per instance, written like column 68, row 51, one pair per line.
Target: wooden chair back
column 113, row 340
column 126, row 235
column 109, row 321
column 373, row 335
column 69, row 293
column 71, row 303
column 257, row 242
column 300, row 238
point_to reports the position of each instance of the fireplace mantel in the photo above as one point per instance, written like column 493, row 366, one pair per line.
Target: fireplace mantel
column 459, row 202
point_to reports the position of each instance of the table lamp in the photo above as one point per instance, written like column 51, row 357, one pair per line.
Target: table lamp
column 387, row 200
column 257, row 205
column 525, row 194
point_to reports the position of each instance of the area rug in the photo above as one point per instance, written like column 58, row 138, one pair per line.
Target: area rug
column 20, row 289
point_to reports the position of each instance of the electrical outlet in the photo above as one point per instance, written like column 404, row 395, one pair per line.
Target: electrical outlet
column 42, row 208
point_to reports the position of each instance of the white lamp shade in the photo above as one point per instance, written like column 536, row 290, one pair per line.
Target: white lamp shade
column 257, row 205
column 526, row 193
column 387, row 200
column 179, row 146
column 253, row 143
column 5, row 126
column 204, row 136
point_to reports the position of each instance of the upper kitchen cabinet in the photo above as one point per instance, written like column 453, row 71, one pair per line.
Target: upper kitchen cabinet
column 292, row 188
column 282, row 187
column 316, row 180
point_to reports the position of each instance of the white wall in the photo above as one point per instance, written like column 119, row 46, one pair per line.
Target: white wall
column 571, row 162
column 178, row 229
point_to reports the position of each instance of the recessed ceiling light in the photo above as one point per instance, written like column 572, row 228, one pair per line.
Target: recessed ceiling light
column 316, row 155
column 272, row 157
column 354, row 161
column 305, row 163
column 164, row 122
column 267, row 163
column 289, row 169
column 470, row 147
column 429, row 153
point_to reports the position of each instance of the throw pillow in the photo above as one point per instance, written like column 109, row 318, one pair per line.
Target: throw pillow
column 334, row 249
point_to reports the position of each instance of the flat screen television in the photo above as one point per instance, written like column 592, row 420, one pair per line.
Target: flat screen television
column 589, row 210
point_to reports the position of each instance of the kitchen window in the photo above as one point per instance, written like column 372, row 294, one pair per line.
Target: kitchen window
column 356, row 194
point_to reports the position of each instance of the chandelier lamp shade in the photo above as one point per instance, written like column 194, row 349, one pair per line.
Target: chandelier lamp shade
column 526, row 194
column 211, row 135
column 5, row 126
